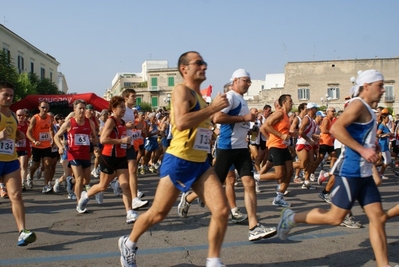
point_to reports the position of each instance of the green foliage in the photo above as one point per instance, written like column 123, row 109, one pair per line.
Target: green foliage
column 144, row 107
column 8, row 72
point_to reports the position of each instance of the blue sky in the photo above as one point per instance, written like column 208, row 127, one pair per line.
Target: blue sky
column 93, row 40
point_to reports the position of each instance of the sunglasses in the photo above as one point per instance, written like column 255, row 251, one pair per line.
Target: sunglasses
column 198, row 63
column 44, row 107
column 20, row 115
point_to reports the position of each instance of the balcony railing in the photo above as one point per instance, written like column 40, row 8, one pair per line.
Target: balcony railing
column 389, row 99
column 153, row 88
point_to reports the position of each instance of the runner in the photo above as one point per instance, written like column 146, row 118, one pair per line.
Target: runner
column 41, row 134
column 185, row 163
column 79, row 129
column 10, row 172
column 356, row 129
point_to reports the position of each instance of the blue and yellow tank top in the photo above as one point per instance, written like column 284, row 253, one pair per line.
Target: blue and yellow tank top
column 7, row 146
column 191, row 144
column 351, row 164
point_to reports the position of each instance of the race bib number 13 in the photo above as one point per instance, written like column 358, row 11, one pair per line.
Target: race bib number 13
column 203, row 139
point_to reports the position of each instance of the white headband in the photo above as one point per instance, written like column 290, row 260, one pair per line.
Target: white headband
column 367, row 76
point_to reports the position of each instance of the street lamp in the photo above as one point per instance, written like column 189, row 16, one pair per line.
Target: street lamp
column 167, row 98
column 326, row 100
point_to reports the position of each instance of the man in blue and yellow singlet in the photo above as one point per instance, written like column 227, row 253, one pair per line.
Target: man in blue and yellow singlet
column 10, row 172
column 185, row 163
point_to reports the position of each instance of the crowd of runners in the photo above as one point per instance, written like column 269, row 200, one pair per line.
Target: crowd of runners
column 349, row 149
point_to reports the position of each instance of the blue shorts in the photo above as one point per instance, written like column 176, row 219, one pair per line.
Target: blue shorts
column 151, row 144
column 182, row 173
column 80, row 162
column 347, row 190
column 7, row 167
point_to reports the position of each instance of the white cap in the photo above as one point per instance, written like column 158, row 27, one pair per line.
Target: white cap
column 240, row 73
column 367, row 76
column 311, row 105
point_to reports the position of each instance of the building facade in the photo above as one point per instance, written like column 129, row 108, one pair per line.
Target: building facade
column 26, row 57
column 327, row 83
column 153, row 85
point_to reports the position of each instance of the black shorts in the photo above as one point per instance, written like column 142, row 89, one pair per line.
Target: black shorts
column 109, row 165
column 395, row 148
column 131, row 153
column 240, row 158
column 324, row 149
column 39, row 153
column 279, row 155
column 22, row 153
column 262, row 144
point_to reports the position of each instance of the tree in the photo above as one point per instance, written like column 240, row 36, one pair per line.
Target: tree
column 8, row 72
column 144, row 107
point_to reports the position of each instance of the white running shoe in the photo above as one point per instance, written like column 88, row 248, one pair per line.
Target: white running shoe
column 81, row 207
column 285, row 225
column 280, row 202
column 128, row 256
column 56, row 187
column 182, row 208
column 99, row 198
column 94, row 173
column 131, row 217
column 138, row 203
column 312, row 177
column 47, row 189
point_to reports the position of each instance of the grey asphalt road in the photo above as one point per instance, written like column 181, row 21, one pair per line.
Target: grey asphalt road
column 66, row 238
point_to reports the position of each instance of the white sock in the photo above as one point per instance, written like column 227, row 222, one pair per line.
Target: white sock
column 130, row 212
column 213, row 262
column 234, row 210
column 130, row 244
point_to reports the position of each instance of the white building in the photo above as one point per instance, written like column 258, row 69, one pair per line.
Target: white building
column 26, row 57
column 62, row 83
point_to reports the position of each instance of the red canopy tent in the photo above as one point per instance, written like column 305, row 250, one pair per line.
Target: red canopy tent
column 32, row 101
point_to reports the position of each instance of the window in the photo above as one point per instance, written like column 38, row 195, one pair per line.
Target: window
column 171, row 81
column 21, row 65
column 42, row 73
column 32, row 67
column 303, row 94
column 389, row 93
column 154, row 82
column 7, row 55
column 154, row 101
column 333, row 92
column 51, row 76
column 138, row 100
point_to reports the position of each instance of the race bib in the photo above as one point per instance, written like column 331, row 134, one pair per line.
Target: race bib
column 124, row 146
column 81, row 140
column 21, row 143
column 136, row 135
column 44, row 137
column 203, row 139
column 7, row 147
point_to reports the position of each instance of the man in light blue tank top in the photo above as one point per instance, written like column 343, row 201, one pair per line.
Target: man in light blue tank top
column 356, row 129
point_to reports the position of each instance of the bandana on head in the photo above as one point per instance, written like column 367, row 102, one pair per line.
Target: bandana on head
column 238, row 74
column 367, row 76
